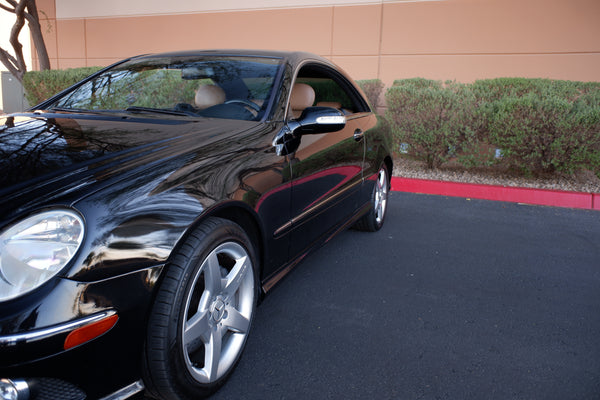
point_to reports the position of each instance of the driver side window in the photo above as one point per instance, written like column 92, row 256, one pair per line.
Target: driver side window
column 317, row 85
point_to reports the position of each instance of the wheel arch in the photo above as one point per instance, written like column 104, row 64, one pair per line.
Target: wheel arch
column 239, row 213
column 245, row 217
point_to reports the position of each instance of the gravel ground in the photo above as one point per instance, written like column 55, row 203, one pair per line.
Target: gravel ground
column 582, row 181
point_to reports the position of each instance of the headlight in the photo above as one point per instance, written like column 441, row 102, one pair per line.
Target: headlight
column 37, row 248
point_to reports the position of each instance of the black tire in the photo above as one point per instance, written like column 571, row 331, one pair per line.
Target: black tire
column 373, row 220
column 202, row 313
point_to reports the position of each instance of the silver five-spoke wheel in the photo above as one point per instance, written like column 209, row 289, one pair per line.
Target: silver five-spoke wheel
column 202, row 313
column 381, row 194
column 218, row 312
column 373, row 220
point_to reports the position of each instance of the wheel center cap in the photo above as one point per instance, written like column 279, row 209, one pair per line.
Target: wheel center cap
column 217, row 309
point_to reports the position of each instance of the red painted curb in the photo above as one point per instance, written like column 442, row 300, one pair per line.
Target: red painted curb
column 545, row 197
column 596, row 201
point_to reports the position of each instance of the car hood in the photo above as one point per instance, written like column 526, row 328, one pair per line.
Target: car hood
column 56, row 157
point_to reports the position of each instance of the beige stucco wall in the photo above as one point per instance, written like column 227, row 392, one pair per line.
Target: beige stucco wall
column 440, row 39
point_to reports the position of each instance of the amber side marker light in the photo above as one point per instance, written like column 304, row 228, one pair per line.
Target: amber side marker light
column 88, row 332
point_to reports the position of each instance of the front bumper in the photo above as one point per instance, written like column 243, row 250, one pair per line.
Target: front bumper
column 95, row 350
column 53, row 389
column 45, row 342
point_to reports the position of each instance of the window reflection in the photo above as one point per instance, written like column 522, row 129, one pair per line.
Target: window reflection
column 172, row 84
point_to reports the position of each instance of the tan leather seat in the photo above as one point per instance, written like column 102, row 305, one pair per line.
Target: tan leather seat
column 303, row 96
column 208, row 96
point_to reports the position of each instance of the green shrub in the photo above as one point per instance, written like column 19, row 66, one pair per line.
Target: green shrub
column 417, row 83
column 41, row 85
column 372, row 88
column 590, row 97
column 490, row 90
column 546, row 133
column 540, row 125
column 434, row 119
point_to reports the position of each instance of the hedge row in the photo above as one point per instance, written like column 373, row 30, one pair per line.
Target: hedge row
column 531, row 125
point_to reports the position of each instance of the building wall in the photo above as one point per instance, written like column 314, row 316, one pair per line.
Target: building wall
column 463, row 40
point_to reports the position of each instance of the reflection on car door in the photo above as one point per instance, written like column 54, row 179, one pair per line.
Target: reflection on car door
column 327, row 172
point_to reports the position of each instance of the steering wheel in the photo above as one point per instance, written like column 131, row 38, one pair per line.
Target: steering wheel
column 247, row 103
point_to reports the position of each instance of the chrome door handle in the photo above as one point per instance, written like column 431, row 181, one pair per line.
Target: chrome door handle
column 358, row 135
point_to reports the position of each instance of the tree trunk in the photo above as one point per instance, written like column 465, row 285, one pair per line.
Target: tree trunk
column 37, row 36
column 14, row 40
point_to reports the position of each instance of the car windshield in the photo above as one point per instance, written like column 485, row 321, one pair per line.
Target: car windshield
column 232, row 87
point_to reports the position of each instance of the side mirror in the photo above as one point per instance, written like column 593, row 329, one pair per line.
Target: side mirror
column 320, row 120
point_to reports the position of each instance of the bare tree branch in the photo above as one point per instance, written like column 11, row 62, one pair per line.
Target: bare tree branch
column 11, row 10
column 9, row 62
column 24, row 10
column 9, row 56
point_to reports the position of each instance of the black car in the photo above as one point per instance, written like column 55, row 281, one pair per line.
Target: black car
column 145, row 210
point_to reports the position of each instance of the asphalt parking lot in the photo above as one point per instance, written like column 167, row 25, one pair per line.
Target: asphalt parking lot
column 452, row 299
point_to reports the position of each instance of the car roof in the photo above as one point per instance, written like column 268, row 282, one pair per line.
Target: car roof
column 290, row 56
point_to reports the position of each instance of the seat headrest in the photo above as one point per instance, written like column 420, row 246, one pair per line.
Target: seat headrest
column 208, row 96
column 303, row 96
